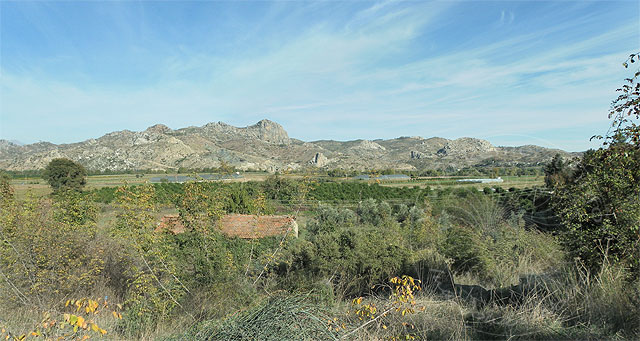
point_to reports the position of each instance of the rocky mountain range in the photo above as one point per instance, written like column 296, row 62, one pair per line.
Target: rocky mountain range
column 263, row 146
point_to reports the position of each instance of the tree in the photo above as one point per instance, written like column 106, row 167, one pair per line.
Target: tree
column 6, row 191
column 64, row 174
column 555, row 173
column 600, row 203
column 625, row 109
column 225, row 168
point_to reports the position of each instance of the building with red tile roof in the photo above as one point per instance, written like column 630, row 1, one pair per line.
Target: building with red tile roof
column 246, row 226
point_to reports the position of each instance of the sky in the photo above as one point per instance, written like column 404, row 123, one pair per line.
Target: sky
column 511, row 72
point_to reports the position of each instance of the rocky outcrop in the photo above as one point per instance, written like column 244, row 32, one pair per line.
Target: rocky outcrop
column 269, row 131
column 319, row 160
column 264, row 130
column 7, row 145
column 366, row 145
column 466, row 145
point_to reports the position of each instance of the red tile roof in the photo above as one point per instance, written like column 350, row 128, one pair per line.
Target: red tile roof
column 249, row 226
column 172, row 223
column 244, row 226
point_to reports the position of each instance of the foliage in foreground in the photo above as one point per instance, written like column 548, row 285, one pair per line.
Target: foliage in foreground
column 600, row 203
column 282, row 316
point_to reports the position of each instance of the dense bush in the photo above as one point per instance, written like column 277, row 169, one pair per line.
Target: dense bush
column 600, row 207
column 352, row 251
column 64, row 174
column 49, row 250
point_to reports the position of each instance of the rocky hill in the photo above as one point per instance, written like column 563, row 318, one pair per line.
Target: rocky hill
column 262, row 146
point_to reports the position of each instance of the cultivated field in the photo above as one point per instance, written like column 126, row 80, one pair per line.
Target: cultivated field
column 39, row 187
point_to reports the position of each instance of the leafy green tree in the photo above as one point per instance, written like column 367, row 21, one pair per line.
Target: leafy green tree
column 625, row 110
column 600, row 203
column 329, row 218
column 6, row 190
column 280, row 188
column 556, row 172
column 225, row 168
column 64, row 174
column 600, row 206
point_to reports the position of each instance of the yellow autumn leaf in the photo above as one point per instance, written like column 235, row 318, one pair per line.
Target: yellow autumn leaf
column 102, row 331
column 80, row 321
column 93, row 306
column 95, row 327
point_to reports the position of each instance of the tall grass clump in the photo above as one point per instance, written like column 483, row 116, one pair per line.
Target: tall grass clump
column 282, row 316
column 608, row 302
column 480, row 238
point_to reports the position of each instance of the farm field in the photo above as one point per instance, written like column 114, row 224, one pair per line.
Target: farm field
column 442, row 182
column 39, row 187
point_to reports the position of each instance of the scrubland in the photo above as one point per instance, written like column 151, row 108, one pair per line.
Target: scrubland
column 390, row 264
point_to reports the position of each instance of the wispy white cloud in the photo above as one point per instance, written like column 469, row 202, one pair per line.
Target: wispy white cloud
column 506, row 17
column 352, row 78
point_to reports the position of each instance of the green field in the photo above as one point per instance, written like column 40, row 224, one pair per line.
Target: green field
column 39, row 187
column 442, row 182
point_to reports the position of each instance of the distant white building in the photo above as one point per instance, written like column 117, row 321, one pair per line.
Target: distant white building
column 384, row 177
column 201, row 177
column 482, row 181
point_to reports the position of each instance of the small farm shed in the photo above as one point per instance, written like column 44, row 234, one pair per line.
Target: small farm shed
column 246, row 226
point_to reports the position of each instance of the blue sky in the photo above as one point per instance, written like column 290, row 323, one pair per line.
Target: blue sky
column 512, row 72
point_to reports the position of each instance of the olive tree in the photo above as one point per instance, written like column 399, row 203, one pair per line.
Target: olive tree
column 64, row 174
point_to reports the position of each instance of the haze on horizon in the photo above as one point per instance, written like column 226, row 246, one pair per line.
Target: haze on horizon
column 511, row 72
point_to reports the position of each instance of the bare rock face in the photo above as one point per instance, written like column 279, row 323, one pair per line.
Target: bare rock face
column 466, row 146
column 264, row 130
column 270, row 131
column 7, row 145
column 319, row 160
column 159, row 129
column 366, row 145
